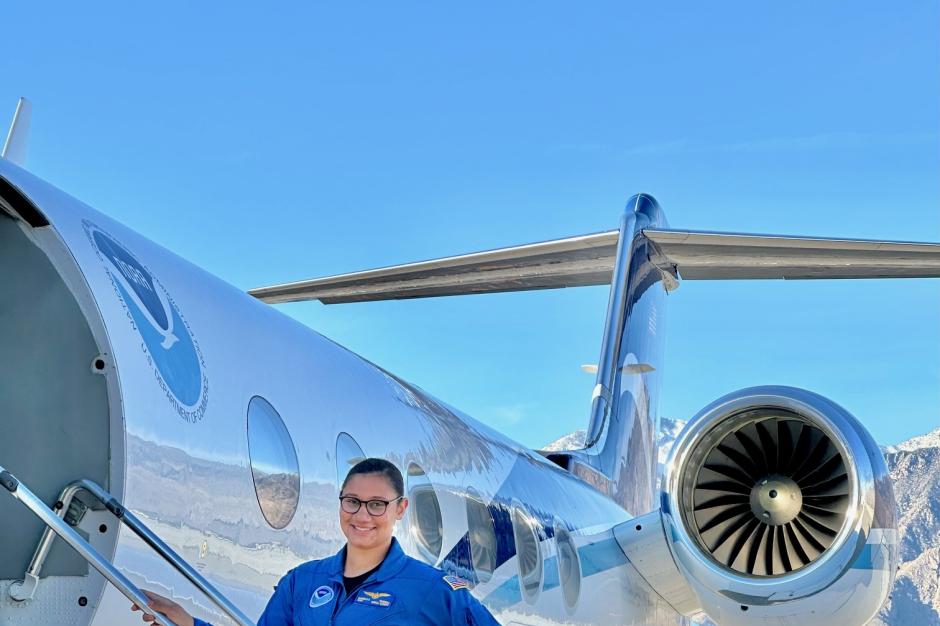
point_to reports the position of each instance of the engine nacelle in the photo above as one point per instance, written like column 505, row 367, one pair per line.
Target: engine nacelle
column 776, row 508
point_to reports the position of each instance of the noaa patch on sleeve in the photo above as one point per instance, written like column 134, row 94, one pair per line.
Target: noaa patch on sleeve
column 321, row 595
column 375, row 598
column 456, row 582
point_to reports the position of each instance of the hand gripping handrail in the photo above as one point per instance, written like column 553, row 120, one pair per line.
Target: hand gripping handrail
column 58, row 526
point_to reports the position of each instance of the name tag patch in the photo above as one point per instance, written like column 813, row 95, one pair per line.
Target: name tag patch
column 375, row 598
column 321, row 595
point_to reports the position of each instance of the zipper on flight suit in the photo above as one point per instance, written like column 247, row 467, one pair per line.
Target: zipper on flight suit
column 341, row 603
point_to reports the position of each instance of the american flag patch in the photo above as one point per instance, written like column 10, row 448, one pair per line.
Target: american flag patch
column 456, row 582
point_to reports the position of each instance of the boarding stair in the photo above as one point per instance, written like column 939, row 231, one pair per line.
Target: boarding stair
column 66, row 512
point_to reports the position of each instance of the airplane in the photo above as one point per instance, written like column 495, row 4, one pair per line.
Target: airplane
column 163, row 429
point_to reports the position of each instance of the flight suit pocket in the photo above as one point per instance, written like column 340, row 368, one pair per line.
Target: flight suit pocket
column 315, row 617
column 398, row 618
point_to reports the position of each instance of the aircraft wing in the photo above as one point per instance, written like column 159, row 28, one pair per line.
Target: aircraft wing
column 589, row 260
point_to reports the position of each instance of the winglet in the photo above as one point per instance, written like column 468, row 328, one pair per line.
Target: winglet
column 15, row 147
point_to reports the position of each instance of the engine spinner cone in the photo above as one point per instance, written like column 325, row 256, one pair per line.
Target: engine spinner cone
column 776, row 500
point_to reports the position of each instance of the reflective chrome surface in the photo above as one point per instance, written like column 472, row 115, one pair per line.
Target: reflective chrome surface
column 189, row 470
column 861, row 558
column 621, row 462
column 613, row 327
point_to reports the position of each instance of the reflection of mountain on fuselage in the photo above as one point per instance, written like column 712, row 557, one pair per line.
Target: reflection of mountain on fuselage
column 277, row 495
column 192, row 482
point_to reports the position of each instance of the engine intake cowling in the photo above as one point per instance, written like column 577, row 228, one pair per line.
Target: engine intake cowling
column 770, row 494
column 777, row 505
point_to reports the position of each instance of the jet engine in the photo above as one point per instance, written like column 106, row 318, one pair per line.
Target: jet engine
column 776, row 508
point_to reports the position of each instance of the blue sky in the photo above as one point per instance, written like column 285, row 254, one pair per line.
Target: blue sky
column 275, row 144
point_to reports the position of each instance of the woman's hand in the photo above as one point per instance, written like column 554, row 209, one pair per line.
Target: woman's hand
column 166, row 606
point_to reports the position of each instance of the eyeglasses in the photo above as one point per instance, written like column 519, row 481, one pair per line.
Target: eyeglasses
column 375, row 508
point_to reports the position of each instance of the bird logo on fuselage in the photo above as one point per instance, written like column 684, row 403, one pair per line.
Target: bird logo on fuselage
column 168, row 341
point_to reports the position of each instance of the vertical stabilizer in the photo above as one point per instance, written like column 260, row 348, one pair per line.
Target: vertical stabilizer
column 619, row 457
column 14, row 148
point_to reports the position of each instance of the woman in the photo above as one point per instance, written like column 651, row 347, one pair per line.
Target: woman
column 371, row 579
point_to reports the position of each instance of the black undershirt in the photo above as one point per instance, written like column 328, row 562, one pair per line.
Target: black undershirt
column 351, row 583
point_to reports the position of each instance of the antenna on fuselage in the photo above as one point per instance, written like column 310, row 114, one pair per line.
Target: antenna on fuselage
column 14, row 148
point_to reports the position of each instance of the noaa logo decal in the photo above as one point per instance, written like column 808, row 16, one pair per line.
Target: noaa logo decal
column 167, row 341
column 322, row 595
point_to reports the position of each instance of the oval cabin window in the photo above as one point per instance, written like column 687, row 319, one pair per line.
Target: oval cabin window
column 348, row 453
column 569, row 566
column 482, row 536
column 427, row 523
column 528, row 553
column 274, row 467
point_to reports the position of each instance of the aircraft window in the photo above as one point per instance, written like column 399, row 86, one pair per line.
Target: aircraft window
column 482, row 536
column 274, row 467
column 427, row 524
column 569, row 565
column 348, row 453
column 528, row 552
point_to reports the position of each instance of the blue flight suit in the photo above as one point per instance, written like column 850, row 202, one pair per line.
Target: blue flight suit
column 403, row 591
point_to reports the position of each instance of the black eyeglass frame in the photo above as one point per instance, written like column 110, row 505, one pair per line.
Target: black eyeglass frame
column 367, row 503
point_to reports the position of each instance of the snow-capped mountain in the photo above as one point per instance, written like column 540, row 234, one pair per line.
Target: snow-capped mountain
column 930, row 440
column 571, row 441
column 669, row 429
column 915, row 470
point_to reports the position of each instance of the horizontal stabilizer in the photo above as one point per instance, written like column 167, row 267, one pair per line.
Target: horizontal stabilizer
column 570, row 262
column 726, row 256
column 589, row 260
column 14, row 148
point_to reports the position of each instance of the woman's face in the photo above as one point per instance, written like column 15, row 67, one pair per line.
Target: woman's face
column 365, row 531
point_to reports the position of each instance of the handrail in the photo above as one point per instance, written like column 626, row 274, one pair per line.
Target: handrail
column 139, row 528
column 78, row 543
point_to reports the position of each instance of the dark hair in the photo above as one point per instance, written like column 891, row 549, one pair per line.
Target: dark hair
column 378, row 466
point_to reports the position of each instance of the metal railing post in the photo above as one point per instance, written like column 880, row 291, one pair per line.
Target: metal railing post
column 78, row 543
column 56, row 524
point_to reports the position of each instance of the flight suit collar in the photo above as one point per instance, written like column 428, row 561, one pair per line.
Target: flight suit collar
column 394, row 561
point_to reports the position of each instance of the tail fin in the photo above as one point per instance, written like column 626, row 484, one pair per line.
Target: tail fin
column 14, row 149
column 619, row 457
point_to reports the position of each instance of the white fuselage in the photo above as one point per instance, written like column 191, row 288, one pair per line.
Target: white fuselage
column 185, row 354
